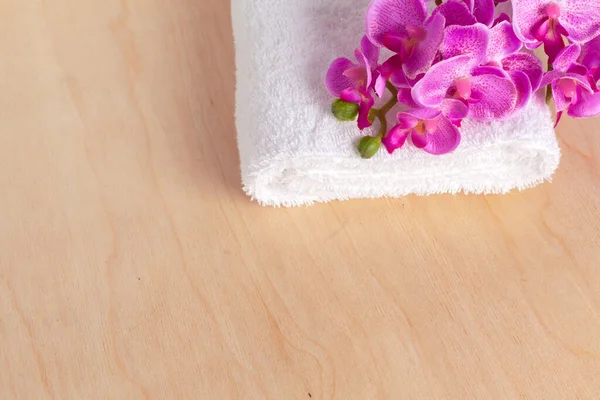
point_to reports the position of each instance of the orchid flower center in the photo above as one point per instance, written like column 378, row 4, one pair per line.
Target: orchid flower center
column 549, row 31
column 553, row 11
column 357, row 74
column 426, row 126
column 463, row 88
column 415, row 35
column 568, row 87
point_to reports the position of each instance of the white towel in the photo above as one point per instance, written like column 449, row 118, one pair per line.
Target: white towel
column 294, row 152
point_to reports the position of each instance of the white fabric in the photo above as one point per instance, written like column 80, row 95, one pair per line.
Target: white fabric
column 294, row 152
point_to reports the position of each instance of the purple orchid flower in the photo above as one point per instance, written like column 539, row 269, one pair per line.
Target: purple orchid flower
column 483, row 10
column 571, row 88
column 430, row 129
column 524, row 69
column 488, row 91
column 352, row 82
column 400, row 26
column 590, row 59
column 456, row 12
column 545, row 22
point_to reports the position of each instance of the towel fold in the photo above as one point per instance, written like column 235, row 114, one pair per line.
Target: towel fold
column 294, row 152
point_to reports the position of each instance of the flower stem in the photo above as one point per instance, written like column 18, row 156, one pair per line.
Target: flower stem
column 381, row 113
column 549, row 88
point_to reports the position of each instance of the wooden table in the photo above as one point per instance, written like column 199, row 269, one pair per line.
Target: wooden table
column 133, row 266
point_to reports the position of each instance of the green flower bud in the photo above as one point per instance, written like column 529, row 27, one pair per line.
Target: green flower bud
column 344, row 111
column 369, row 146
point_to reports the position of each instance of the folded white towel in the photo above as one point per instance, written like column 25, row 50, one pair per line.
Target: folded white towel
column 294, row 152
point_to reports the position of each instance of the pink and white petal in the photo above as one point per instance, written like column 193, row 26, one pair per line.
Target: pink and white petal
column 581, row 19
column 492, row 98
column 405, row 97
column 431, row 90
column 523, row 86
column 395, row 139
column 503, row 42
column 578, row 69
column 335, row 80
column 364, row 107
column 399, row 80
column 367, row 71
column 527, row 16
column 550, row 77
column 484, row 10
column 386, row 70
column 466, row 40
column 581, row 80
column 424, row 53
column 526, row 63
column 454, row 109
column 588, row 106
column 566, row 57
column 590, row 54
column 406, row 120
column 420, row 140
column 370, row 51
column 455, row 12
column 358, row 76
column 561, row 102
column 351, row 95
column 445, row 139
column 490, row 70
column 384, row 16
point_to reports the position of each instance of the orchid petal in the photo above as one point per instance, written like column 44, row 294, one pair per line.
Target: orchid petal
column 455, row 12
column 466, row 40
column 588, row 106
column 424, row 53
column 493, row 98
column 405, row 97
column 335, row 80
column 526, row 63
column 395, row 139
column 454, row 109
column 443, row 140
column 385, row 16
column 523, row 86
column 489, row 70
column 370, row 51
column 581, row 19
column 527, row 17
column 431, row 90
column 590, row 54
column 566, row 57
column 503, row 42
column 483, row 10
column 420, row 140
column 351, row 95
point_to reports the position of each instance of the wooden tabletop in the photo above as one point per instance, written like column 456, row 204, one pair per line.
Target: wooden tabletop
column 132, row 266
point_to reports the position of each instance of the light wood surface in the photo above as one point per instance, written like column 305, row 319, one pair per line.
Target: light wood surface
column 132, row 266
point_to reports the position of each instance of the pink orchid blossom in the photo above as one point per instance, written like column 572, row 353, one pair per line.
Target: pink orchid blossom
column 400, row 26
column 430, row 129
column 546, row 22
column 488, row 91
column 352, row 82
column 571, row 88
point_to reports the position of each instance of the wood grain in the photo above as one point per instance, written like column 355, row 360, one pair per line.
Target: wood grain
column 133, row 267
